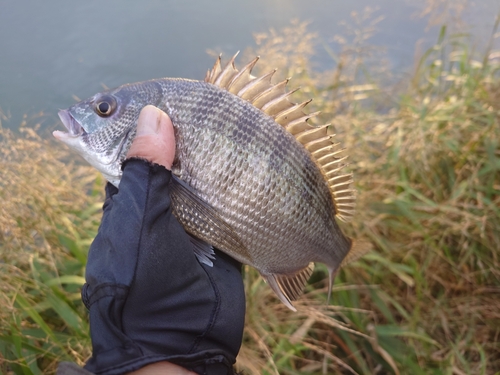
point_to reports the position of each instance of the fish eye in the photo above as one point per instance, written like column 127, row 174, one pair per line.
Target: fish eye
column 105, row 106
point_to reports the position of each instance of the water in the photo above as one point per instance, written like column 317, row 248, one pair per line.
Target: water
column 52, row 50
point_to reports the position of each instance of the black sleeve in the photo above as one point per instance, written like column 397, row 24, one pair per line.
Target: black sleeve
column 148, row 297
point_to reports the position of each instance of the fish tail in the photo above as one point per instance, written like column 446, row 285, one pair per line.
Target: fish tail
column 356, row 251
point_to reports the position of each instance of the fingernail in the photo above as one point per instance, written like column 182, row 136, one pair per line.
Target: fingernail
column 149, row 121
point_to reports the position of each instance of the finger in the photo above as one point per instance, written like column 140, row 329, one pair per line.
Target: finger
column 155, row 139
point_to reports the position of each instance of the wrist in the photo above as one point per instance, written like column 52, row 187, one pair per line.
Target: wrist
column 160, row 368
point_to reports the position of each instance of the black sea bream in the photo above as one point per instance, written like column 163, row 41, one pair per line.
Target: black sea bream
column 252, row 177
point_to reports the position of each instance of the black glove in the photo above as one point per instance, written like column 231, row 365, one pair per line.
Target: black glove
column 148, row 296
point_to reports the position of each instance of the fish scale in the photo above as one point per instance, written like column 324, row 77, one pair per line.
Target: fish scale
column 252, row 177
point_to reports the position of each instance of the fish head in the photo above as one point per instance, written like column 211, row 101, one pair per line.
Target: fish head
column 102, row 127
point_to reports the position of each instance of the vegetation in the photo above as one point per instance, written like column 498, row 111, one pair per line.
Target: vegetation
column 426, row 160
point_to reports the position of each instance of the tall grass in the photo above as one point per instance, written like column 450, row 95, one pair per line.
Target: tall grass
column 426, row 161
column 48, row 216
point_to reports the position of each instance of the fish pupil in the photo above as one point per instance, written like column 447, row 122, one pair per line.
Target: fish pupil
column 103, row 107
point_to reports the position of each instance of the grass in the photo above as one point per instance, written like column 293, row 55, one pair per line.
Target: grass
column 426, row 160
column 48, row 217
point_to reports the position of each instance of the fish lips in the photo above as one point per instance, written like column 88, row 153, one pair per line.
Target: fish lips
column 74, row 128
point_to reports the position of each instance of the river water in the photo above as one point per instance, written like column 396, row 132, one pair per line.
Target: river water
column 53, row 50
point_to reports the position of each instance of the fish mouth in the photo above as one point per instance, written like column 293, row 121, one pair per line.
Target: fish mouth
column 74, row 128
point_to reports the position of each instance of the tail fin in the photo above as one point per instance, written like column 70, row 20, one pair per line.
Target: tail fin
column 357, row 250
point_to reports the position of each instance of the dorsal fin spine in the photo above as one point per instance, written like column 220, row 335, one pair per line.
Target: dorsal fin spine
column 270, row 108
column 339, row 192
column 339, row 177
column 312, row 134
column 242, row 77
column 270, row 94
column 254, row 87
column 227, row 73
column 331, row 154
column 323, row 149
column 318, row 143
column 333, row 171
column 336, row 161
column 216, row 69
column 289, row 111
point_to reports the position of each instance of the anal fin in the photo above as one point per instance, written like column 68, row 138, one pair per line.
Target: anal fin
column 289, row 287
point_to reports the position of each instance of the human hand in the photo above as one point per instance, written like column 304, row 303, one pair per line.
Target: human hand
column 151, row 303
column 155, row 141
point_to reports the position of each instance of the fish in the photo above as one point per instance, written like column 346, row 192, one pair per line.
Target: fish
column 251, row 176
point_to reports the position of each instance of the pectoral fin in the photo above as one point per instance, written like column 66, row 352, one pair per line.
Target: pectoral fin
column 288, row 287
column 203, row 250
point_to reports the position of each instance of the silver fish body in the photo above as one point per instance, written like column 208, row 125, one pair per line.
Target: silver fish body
column 269, row 204
column 256, row 175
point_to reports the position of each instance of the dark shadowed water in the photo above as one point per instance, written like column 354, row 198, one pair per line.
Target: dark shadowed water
column 51, row 50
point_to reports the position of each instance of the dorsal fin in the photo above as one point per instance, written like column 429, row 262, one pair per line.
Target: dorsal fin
column 272, row 99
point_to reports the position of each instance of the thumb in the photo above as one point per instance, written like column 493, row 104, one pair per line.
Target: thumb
column 154, row 139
